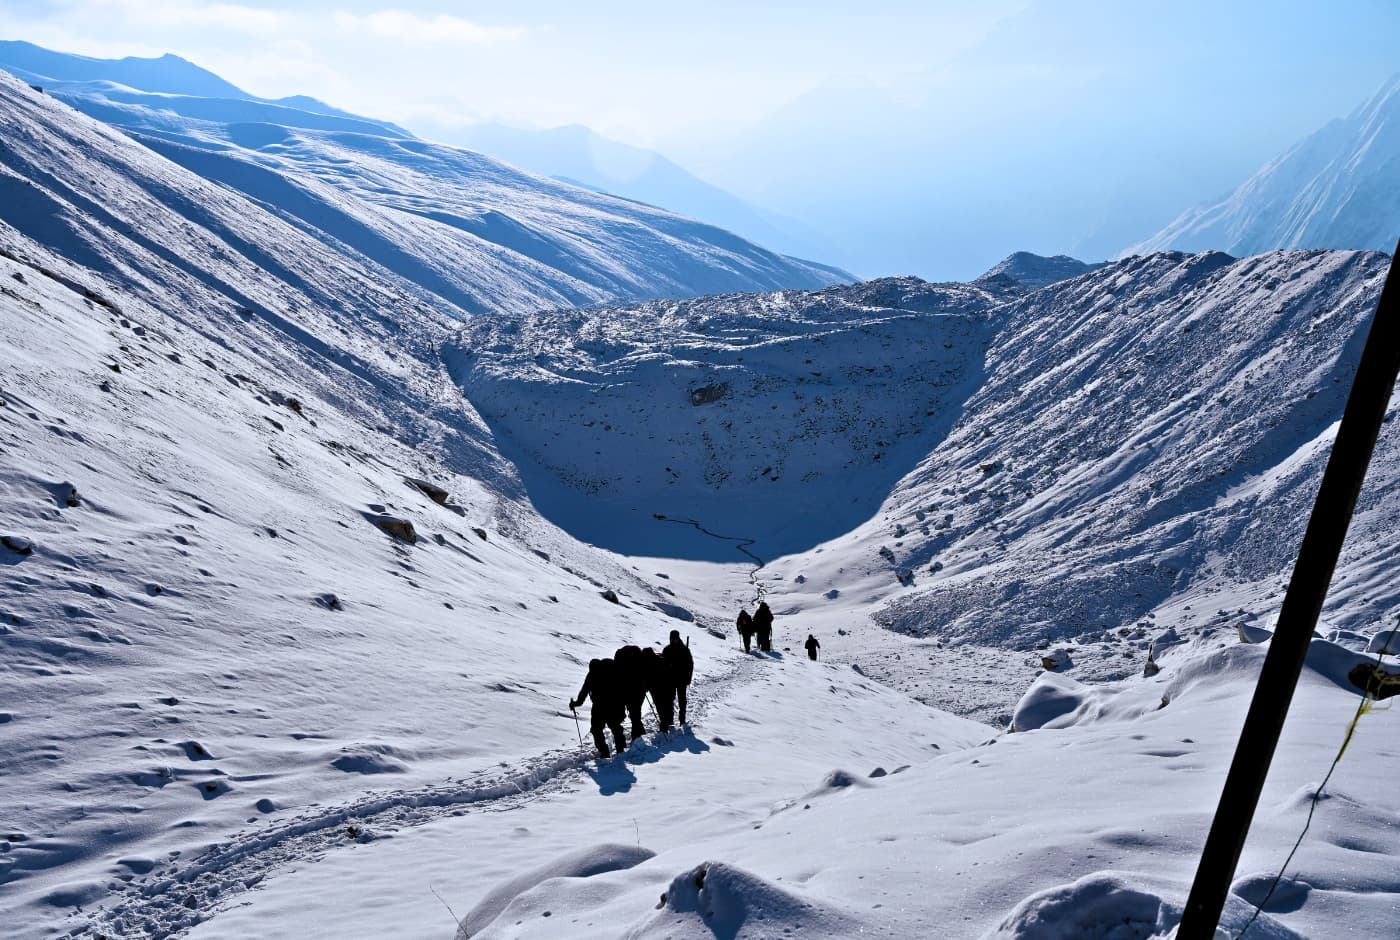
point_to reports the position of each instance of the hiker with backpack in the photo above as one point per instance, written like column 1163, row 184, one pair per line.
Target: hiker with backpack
column 812, row 647
column 602, row 685
column 746, row 628
column 633, row 684
column 763, row 626
column 662, row 686
column 682, row 664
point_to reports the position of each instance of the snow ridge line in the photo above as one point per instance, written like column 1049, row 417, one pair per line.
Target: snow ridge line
column 160, row 909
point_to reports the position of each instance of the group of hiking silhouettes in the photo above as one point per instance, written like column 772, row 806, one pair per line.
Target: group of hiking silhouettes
column 760, row 625
column 619, row 686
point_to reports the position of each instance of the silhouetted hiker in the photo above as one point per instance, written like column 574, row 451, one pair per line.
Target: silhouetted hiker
column 602, row 684
column 812, row 647
column 661, row 685
column 745, row 624
column 677, row 656
column 633, row 682
column 763, row 626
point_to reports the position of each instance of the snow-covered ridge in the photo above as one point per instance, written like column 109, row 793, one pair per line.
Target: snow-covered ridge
column 781, row 418
column 1337, row 188
column 477, row 234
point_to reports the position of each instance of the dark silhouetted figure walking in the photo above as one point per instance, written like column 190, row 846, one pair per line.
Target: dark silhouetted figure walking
column 633, row 683
column 763, row 626
column 662, row 686
column 677, row 656
column 812, row 647
column 745, row 624
column 601, row 684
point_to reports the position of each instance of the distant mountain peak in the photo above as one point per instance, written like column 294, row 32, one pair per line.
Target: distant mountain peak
column 1030, row 271
column 1339, row 187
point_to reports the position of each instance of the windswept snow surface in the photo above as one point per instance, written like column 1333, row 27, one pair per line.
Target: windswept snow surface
column 1337, row 188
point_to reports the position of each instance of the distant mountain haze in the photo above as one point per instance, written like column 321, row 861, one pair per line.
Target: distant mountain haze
column 579, row 155
column 1336, row 188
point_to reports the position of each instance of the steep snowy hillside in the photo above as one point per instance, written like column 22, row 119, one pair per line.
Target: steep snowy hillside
column 1339, row 188
column 213, row 612
column 776, row 421
column 482, row 235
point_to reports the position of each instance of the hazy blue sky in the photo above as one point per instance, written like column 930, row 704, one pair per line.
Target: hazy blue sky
column 1072, row 124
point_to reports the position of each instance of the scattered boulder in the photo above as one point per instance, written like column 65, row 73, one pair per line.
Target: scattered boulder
column 431, row 490
column 17, row 544
column 706, row 394
column 480, row 533
column 328, row 601
column 611, row 596
column 195, row 751
column 400, row 529
column 1056, row 659
column 1250, row 634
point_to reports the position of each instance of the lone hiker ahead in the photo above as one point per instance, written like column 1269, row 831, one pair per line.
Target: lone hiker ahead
column 812, row 647
column 601, row 683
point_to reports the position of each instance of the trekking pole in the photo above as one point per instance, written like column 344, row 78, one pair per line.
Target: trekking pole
column 579, row 728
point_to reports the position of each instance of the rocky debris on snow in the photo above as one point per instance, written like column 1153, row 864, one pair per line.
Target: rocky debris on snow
column 722, row 900
column 1250, row 634
column 1387, row 643
column 328, row 601
column 399, row 528
column 431, row 490
column 610, row 596
column 17, row 544
column 1056, row 659
column 195, row 751
column 479, row 532
column 707, row 394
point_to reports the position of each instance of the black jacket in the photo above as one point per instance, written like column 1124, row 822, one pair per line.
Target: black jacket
column 677, row 656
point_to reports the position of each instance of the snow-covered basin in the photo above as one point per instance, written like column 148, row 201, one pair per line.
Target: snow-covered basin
column 1088, row 831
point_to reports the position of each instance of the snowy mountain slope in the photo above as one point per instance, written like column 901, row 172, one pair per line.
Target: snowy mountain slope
column 485, row 235
column 1162, row 422
column 1058, row 466
column 205, row 411
column 737, row 412
column 1338, row 188
column 578, row 155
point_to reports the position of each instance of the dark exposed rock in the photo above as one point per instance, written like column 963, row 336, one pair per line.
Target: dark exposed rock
column 434, row 492
column 400, row 529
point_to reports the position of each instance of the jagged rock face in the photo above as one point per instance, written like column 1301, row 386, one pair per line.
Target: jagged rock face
column 781, row 418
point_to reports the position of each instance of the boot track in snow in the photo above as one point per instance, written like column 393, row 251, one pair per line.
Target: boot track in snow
column 177, row 897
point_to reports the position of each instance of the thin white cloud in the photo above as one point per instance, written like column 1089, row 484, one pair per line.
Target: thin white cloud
column 184, row 15
column 407, row 27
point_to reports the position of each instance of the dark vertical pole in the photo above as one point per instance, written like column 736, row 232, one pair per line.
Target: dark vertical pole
column 1312, row 573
